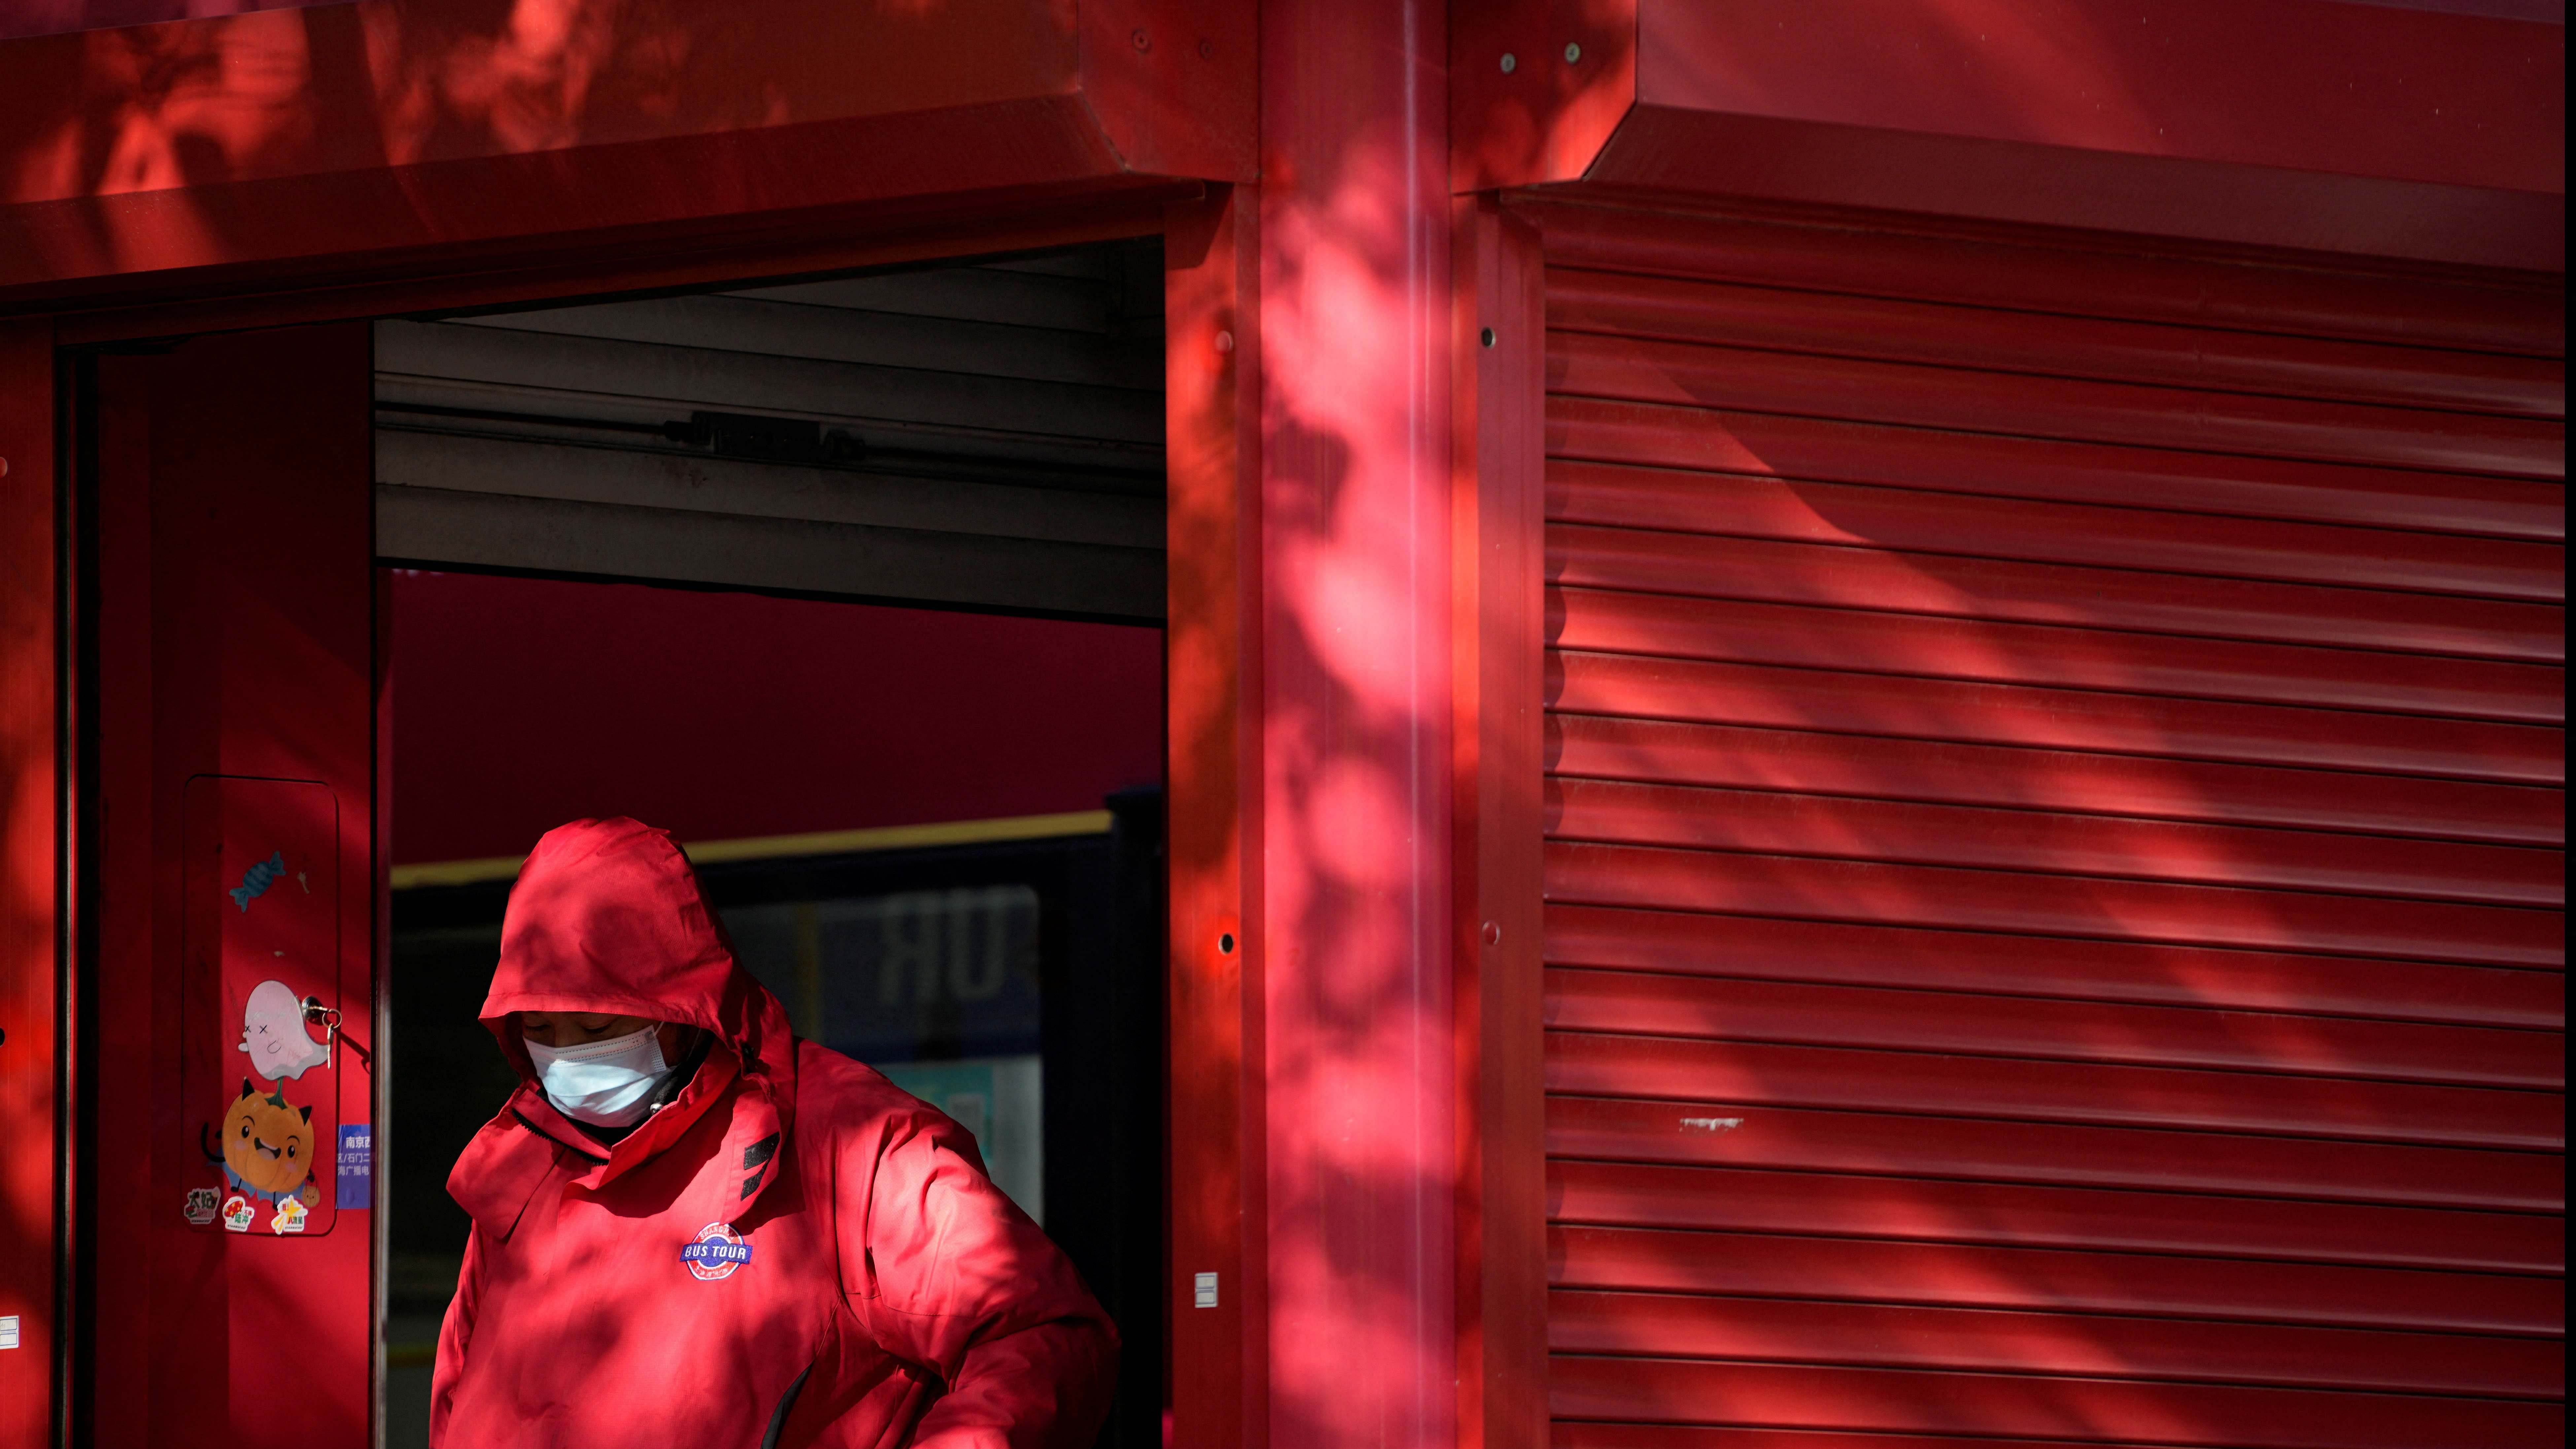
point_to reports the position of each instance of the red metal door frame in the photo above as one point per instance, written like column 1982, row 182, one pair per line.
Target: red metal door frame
column 33, row 1019
column 1206, row 1152
column 760, row 248
column 1212, row 784
column 1213, row 448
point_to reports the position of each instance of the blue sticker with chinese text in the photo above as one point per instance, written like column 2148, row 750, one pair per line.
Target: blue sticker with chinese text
column 357, row 1165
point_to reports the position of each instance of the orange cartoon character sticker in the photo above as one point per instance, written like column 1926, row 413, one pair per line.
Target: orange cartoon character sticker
column 268, row 1157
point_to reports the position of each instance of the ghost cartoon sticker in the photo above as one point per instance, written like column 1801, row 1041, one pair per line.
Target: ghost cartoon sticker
column 273, row 1034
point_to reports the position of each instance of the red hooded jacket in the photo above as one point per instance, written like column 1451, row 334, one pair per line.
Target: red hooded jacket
column 792, row 1252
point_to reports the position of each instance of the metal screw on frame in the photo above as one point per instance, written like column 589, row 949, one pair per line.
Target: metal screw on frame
column 1573, row 53
column 1511, row 62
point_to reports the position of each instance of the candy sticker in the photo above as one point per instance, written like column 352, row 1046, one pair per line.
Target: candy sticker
column 256, row 880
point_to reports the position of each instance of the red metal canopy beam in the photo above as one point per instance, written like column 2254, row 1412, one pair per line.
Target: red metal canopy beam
column 249, row 146
column 2341, row 127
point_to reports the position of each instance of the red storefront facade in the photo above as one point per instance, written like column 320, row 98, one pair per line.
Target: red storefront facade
column 1864, row 698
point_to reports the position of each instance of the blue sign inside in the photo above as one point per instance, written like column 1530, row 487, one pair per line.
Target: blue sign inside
column 357, row 1165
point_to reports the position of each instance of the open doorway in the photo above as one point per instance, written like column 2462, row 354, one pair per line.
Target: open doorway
column 853, row 586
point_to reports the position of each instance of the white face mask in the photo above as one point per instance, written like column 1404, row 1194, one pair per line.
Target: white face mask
column 606, row 1083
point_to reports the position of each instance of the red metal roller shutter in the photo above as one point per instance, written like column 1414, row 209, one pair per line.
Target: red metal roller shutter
column 2055, row 846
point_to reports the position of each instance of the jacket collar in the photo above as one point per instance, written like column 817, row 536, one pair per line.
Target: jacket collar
column 499, row 1173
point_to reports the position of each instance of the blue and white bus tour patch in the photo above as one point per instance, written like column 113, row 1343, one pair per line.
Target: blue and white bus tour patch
column 715, row 1253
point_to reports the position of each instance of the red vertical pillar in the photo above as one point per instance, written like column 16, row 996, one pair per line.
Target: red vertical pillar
column 1499, row 413
column 1354, row 536
column 1214, row 670
column 31, row 873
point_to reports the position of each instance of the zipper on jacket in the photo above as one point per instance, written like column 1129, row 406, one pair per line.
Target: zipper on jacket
column 786, row 1401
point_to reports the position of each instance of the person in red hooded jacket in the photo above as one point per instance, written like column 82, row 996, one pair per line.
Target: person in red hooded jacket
column 693, row 1229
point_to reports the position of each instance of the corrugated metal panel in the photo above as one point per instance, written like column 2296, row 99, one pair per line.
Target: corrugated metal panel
column 1871, row 953
column 2055, row 850
column 2072, row 409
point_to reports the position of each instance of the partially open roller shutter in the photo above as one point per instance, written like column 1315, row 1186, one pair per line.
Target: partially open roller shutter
column 986, row 435
column 2055, row 846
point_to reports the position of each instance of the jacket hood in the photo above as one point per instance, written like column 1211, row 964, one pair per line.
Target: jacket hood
column 608, row 918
